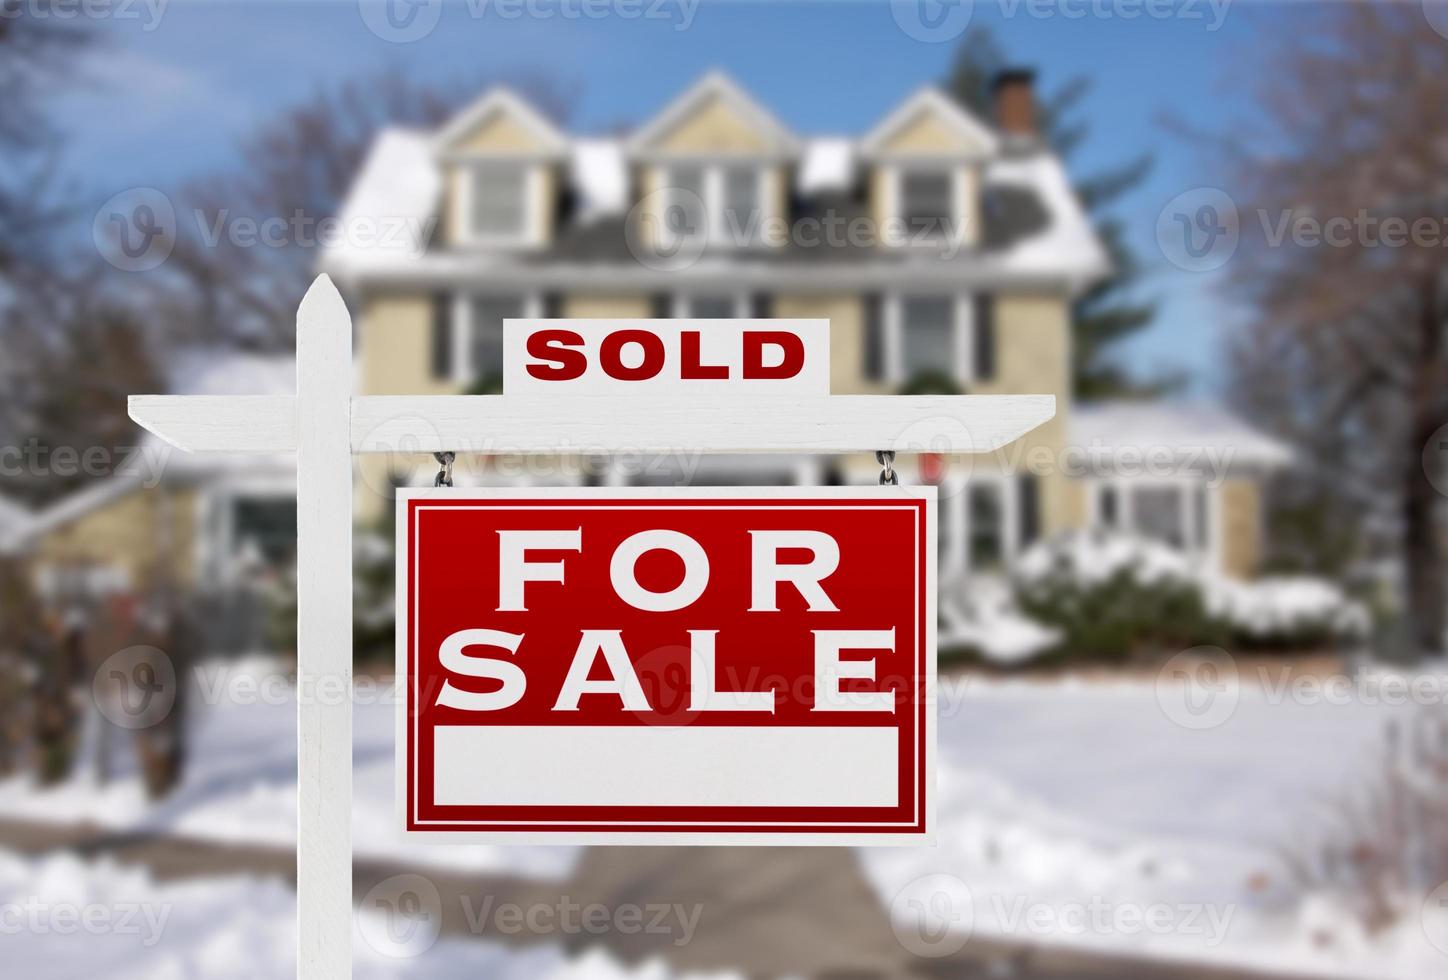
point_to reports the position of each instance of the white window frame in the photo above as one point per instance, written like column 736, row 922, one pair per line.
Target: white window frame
column 716, row 227
column 955, row 496
column 215, row 517
column 893, row 208
column 464, row 372
column 963, row 343
column 530, row 235
column 680, row 305
column 1211, row 552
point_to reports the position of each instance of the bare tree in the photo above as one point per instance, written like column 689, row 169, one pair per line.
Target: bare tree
column 1343, row 206
column 295, row 171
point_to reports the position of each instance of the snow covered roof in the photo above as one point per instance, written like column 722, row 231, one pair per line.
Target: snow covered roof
column 195, row 372
column 1035, row 227
column 1115, row 431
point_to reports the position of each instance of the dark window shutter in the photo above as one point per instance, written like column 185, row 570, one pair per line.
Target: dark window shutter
column 442, row 336
column 552, row 306
column 761, row 306
column 874, row 338
column 985, row 337
column 1108, row 506
column 1029, row 508
column 661, row 306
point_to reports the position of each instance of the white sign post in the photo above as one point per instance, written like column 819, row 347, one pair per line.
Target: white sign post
column 325, row 424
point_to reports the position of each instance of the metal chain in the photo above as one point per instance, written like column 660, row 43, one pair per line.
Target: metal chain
column 886, row 459
column 444, row 475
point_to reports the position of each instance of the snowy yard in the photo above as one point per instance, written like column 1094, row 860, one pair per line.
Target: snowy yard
column 1064, row 793
column 94, row 920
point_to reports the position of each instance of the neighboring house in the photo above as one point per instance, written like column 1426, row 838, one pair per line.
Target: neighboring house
column 959, row 248
column 213, row 523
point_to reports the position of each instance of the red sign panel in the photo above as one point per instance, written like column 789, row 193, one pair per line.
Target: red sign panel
column 702, row 664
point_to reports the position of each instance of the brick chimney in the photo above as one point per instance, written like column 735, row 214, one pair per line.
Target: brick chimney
column 1015, row 103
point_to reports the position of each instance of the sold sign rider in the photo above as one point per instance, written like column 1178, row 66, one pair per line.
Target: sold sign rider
column 630, row 665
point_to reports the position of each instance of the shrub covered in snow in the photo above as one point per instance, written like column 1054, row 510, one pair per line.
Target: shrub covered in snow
column 1113, row 596
column 1110, row 596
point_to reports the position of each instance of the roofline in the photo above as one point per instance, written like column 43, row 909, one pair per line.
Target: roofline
column 801, row 277
column 500, row 99
column 930, row 97
column 713, row 83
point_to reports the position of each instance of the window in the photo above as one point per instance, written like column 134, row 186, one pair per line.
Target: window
column 1157, row 513
column 927, row 325
column 741, row 204
column 927, row 202
column 986, row 526
column 485, row 334
column 723, row 203
column 687, row 213
column 265, row 527
column 711, row 306
column 497, row 206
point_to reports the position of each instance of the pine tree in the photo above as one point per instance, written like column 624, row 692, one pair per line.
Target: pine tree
column 1111, row 310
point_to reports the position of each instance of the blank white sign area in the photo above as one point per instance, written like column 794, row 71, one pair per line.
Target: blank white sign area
column 666, row 766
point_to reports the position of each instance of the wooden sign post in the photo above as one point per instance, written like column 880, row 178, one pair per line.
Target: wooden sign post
column 325, row 424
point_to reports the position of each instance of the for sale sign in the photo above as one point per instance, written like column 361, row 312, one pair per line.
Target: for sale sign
column 687, row 665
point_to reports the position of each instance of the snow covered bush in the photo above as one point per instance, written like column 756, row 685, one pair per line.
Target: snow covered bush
column 1112, row 596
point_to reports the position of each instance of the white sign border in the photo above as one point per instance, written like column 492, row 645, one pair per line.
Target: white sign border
column 632, row 838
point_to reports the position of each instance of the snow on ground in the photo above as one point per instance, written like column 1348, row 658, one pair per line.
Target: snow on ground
column 240, row 784
column 1159, row 815
column 1051, row 792
column 63, row 918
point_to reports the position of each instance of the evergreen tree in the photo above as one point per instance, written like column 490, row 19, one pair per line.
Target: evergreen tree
column 1111, row 310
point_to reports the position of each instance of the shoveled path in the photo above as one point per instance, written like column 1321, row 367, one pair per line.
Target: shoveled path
column 767, row 912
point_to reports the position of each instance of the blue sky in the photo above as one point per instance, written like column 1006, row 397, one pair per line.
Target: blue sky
column 157, row 105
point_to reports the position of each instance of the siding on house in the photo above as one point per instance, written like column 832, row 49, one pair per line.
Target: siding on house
column 140, row 533
column 1241, row 530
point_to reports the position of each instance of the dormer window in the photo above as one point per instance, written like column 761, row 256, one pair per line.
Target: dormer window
column 927, row 202
column 723, row 203
column 499, row 201
column 501, row 163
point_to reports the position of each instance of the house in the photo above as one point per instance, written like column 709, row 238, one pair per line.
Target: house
column 945, row 251
column 215, row 525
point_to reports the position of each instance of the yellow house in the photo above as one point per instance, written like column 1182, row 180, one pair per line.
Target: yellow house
column 945, row 251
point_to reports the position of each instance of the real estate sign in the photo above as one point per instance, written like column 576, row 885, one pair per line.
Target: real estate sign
column 685, row 664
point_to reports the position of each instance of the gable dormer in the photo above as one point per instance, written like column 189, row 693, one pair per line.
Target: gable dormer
column 712, row 170
column 502, row 163
column 925, row 160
